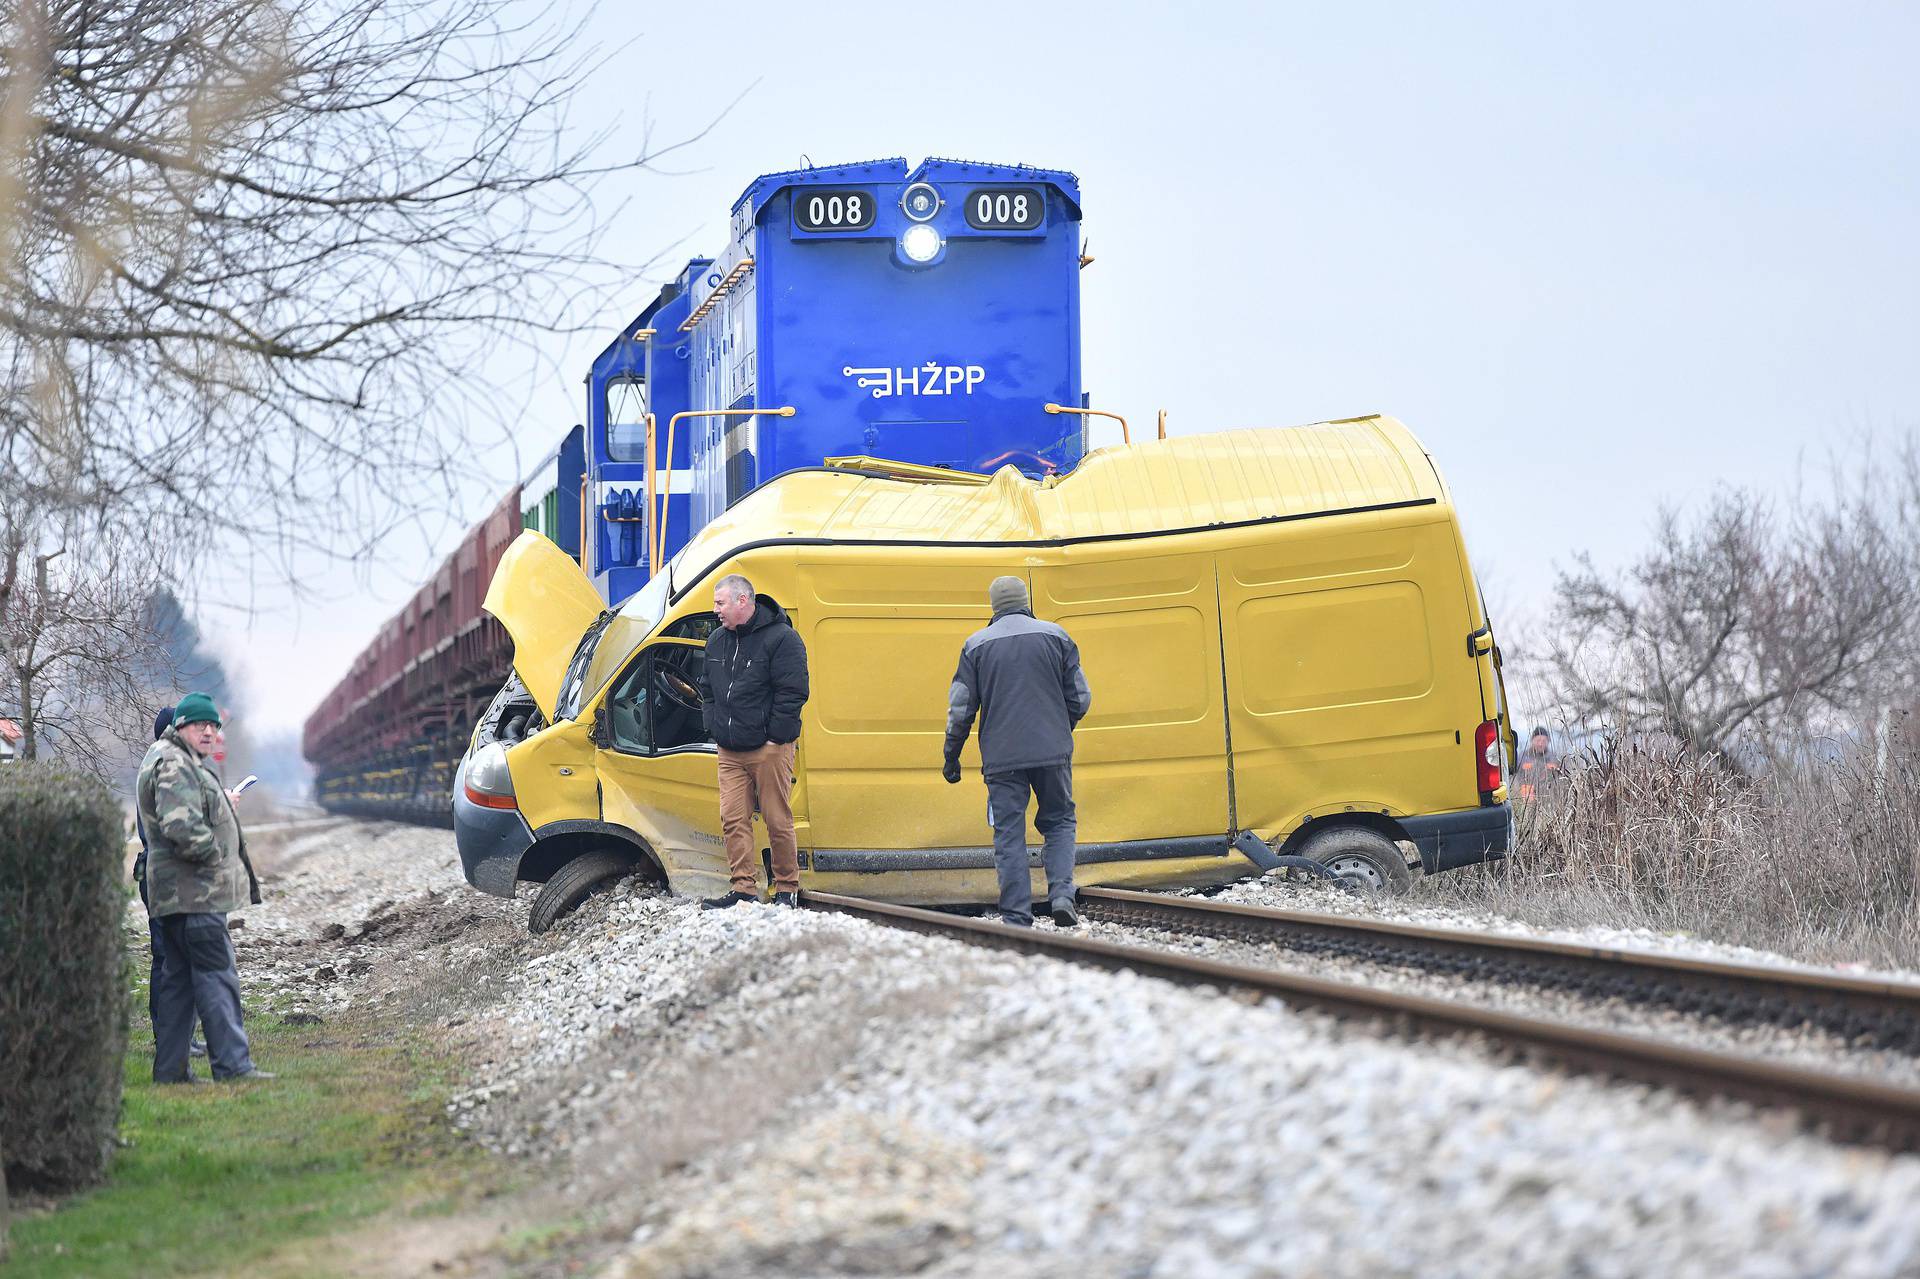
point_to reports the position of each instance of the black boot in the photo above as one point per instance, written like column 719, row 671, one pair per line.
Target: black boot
column 1064, row 915
column 731, row 899
column 789, row 900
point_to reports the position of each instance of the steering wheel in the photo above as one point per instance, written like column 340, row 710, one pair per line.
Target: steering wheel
column 677, row 688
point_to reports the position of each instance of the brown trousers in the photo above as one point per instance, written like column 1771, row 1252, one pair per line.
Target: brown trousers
column 760, row 778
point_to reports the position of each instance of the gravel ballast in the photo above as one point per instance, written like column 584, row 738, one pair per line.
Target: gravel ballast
column 762, row 1092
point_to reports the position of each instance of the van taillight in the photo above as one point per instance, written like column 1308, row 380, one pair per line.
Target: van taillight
column 1486, row 751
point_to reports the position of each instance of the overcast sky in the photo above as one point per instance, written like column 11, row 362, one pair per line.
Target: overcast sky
column 1597, row 261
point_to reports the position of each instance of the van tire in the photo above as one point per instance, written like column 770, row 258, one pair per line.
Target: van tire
column 1364, row 858
column 573, row 883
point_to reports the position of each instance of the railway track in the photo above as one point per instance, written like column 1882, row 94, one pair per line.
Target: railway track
column 1862, row 1011
column 1845, row 1108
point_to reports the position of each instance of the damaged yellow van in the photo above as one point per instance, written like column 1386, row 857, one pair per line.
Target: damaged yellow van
column 1280, row 628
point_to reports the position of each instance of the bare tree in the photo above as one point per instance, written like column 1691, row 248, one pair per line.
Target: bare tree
column 80, row 665
column 260, row 256
column 261, row 264
column 1752, row 617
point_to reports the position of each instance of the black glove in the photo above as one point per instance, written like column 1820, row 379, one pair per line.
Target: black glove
column 951, row 770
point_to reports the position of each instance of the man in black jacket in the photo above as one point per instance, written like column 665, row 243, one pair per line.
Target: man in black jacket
column 752, row 686
column 1022, row 677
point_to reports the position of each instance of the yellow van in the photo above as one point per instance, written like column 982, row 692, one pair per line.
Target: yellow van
column 1280, row 628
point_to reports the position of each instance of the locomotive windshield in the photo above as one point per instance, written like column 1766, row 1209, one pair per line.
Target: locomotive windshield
column 627, row 420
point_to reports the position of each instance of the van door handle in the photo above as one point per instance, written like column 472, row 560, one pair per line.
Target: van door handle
column 1480, row 643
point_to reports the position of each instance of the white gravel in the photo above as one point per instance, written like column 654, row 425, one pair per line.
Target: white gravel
column 753, row 1089
column 758, row 1092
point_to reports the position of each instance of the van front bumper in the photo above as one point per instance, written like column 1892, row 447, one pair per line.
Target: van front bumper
column 491, row 840
column 1447, row 841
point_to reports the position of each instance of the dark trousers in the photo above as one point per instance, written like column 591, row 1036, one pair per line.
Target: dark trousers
column 1052, row 791
column 197, row 975
column 155, row 948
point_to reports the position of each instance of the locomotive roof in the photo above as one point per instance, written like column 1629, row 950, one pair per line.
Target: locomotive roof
column 1159, row 486
column 894, row 169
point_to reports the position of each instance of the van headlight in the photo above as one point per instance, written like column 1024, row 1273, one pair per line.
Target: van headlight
column 488, row 783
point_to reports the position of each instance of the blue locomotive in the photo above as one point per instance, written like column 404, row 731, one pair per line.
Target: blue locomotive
column 927, row 315
column 924, row 315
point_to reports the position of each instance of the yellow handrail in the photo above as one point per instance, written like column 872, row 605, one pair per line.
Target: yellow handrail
column 657, row 544
column 646, row 530
column 1125, row 438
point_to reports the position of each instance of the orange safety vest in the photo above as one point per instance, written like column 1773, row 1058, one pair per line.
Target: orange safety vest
column 1534, row 773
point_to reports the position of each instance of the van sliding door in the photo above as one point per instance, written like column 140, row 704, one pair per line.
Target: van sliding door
column 1147, row 759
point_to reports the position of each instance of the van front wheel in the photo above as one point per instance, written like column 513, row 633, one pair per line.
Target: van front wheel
column 1364, row 858
column 573, row 883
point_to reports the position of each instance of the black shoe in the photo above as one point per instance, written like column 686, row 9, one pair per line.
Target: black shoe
column 790, row 900
column 190, row 1079
column 196, row 1049
column 729, row 900
column 1064, row 915
column 248, row 1075
column 1014, row 921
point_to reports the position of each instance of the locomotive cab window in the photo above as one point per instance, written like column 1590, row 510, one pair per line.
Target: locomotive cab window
column 655, row 707
column 627, row 420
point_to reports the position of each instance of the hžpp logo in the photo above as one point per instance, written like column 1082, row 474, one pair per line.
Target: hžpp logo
column 930, row 378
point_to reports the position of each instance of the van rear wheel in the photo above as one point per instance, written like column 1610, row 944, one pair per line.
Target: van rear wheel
column 573, row 883
column 1364, row 858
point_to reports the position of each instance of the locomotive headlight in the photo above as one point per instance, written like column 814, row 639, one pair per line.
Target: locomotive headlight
column 489, row 784
column 920, row 243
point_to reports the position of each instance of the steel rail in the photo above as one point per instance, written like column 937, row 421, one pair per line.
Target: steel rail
column 1844, row 1108
column 1883, row 1012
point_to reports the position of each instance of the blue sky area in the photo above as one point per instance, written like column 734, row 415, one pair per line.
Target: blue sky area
column 1597, row 259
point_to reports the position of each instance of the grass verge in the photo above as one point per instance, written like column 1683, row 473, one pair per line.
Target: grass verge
column 224, row 1177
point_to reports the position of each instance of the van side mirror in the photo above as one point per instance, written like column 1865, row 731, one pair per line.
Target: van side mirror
column 598, row 733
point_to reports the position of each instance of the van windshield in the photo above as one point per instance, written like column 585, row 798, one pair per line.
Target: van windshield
column 610, row 641
column 567, row 704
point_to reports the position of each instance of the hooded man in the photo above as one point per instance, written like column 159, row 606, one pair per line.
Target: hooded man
column 752, row 686
column 197, row 871
column 1023, row 678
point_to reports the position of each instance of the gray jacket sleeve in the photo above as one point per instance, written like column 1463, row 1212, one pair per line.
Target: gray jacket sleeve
column 1073, row 684
column 963, row 701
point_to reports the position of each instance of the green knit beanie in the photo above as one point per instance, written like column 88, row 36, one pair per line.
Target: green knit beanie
column 195, row 708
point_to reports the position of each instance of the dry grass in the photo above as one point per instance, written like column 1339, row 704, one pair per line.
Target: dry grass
column 1819, row 859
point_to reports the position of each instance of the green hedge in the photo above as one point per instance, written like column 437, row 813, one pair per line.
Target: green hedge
column 63, row 1000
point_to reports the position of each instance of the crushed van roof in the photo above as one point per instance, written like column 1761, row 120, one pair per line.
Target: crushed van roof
column 1158, row 486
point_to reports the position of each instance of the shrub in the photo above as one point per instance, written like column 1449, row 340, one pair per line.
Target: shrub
column 63, row 1001
column 1817, row 856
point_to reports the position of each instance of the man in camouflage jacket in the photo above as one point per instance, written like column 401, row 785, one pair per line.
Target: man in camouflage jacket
column 197, row 871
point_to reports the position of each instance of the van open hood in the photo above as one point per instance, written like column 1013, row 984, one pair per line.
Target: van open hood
column 546, row 603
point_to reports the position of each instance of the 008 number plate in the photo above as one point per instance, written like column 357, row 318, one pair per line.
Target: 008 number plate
column 832, row 209
column 1006, row 208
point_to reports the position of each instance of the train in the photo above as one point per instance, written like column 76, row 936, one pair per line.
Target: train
column 889, row 356
column 928, row 314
